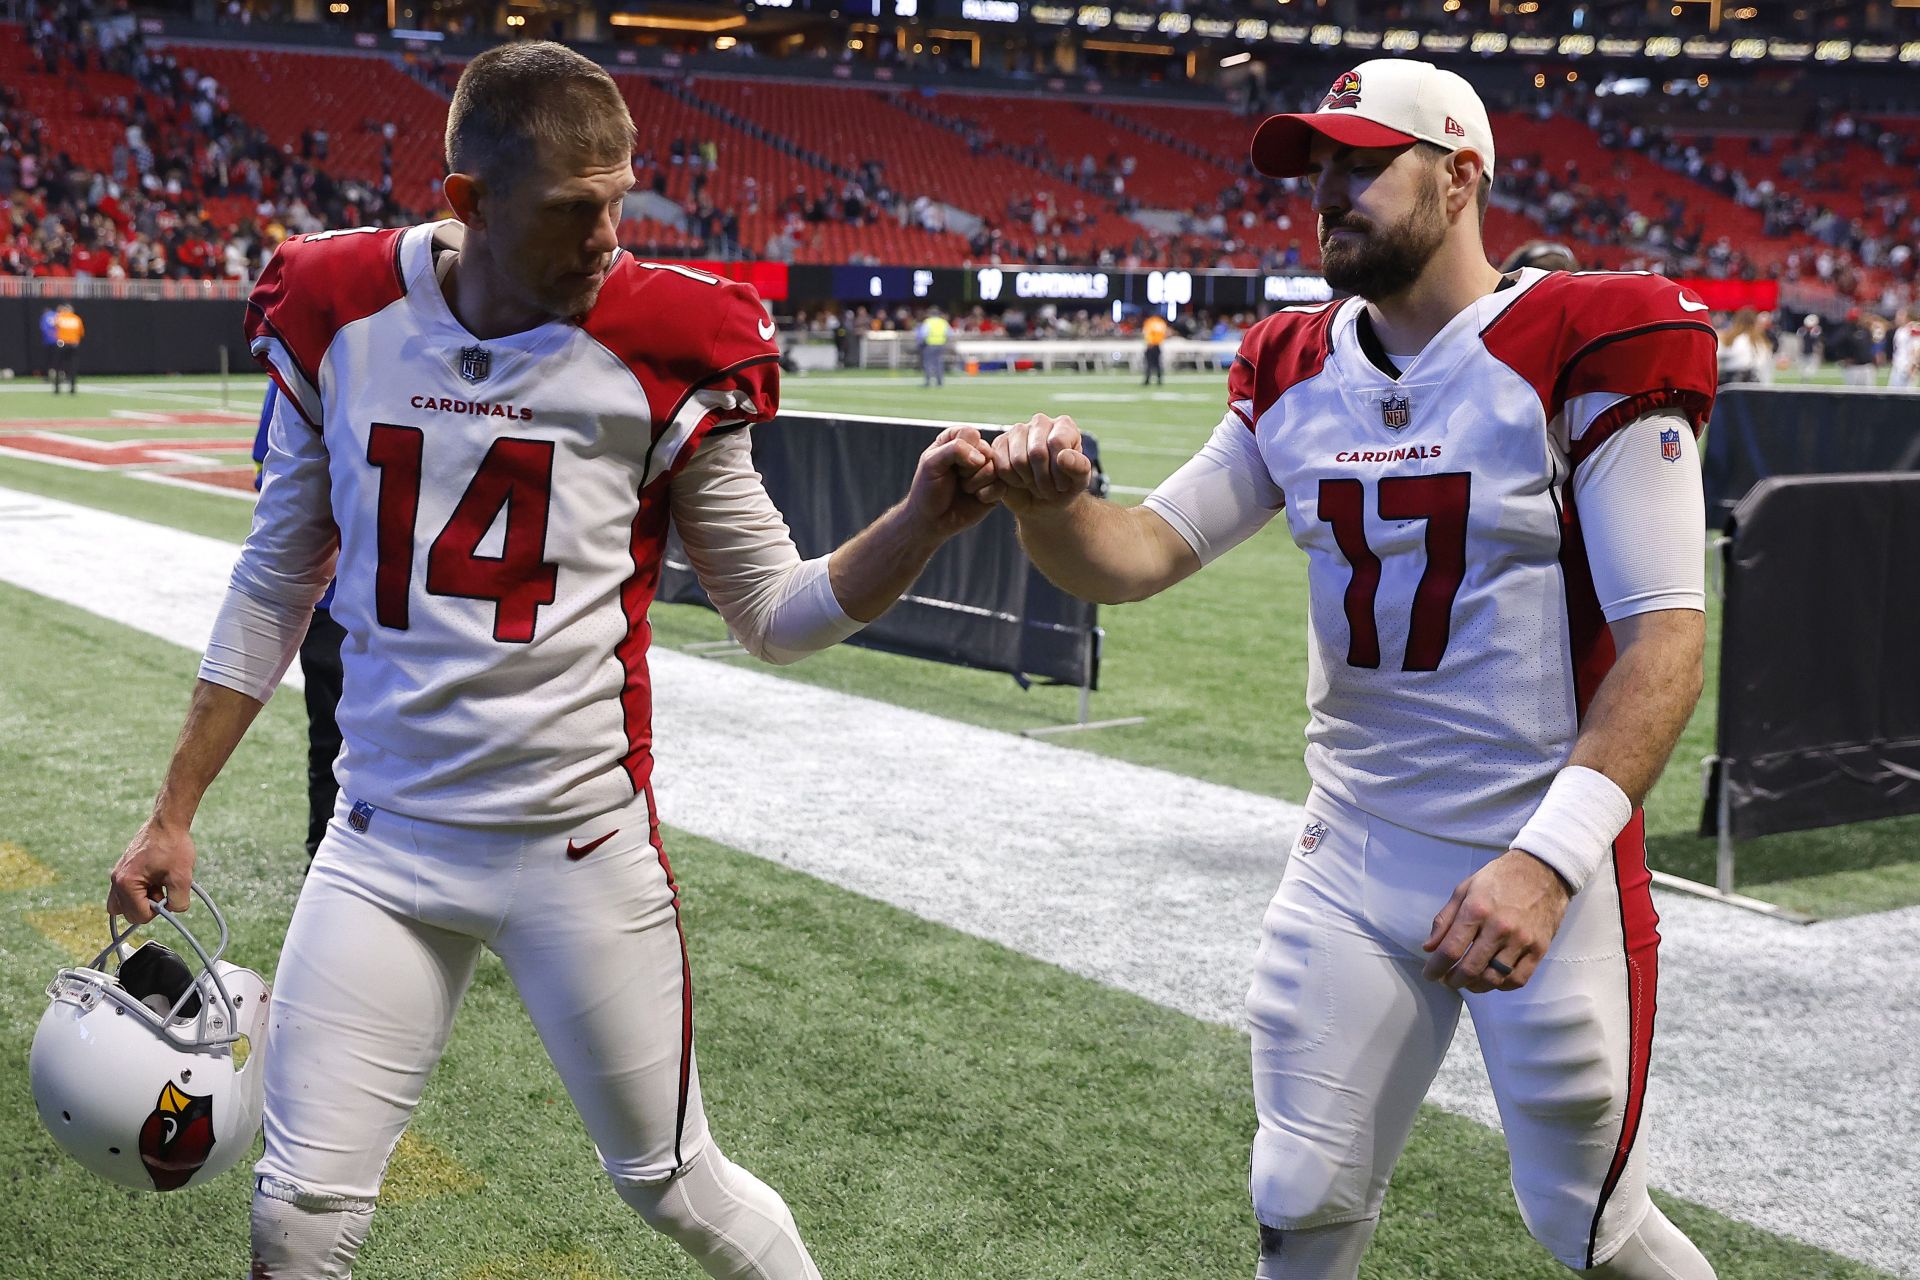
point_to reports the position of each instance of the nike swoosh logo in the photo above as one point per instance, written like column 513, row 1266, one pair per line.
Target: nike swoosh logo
column 1688, row 304
column 766, row 330
column 575, row 852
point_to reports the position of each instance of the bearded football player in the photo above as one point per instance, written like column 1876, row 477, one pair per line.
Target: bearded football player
column 483, row 427
column 1495, row 480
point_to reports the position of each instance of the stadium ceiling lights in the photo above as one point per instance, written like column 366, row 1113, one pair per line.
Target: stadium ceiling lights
column 658, row 22
column 1138, row 19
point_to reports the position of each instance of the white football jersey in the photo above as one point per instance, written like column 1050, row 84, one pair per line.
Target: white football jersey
column 1455, row 633
column 501, row 508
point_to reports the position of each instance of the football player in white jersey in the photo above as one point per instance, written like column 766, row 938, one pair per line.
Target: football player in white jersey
column 486, row 423
column 1494, row 478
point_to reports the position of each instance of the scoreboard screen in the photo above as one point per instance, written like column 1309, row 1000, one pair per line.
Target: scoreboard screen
column 884, row 284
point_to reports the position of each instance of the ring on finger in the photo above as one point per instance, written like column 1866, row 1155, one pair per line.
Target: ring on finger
column 1504, row 970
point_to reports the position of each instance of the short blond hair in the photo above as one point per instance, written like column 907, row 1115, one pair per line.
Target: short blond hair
column 517, row 101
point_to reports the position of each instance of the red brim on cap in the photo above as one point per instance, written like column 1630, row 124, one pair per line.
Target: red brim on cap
column 1281, row 145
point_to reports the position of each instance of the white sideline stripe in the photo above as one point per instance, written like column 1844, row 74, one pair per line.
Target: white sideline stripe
column 1786, row 1064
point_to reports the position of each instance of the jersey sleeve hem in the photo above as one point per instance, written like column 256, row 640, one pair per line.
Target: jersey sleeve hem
column 1691, row 405
column 1180, row 521
column 1654, row 602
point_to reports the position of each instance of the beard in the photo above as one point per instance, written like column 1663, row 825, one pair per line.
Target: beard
column 1383, row 262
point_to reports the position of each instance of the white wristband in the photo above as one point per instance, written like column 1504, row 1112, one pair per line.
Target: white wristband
column 1574, row 828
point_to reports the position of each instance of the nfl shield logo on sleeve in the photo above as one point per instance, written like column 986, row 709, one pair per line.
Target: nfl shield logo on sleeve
column 360, row 817
column 475, row 363
column 1670, row 445
column 1396, row 412
column 1310, row 837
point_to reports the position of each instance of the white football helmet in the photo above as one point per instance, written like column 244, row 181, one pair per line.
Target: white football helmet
column 147, row 1074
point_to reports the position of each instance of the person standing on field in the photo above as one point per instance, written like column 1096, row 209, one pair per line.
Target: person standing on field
column 1496, row 482
column 1154, row 331
column 484, row 426
column 69, row 331
column 934, row 333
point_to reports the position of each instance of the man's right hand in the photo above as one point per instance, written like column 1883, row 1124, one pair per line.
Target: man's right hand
column 158, row 864
column 1040, row 464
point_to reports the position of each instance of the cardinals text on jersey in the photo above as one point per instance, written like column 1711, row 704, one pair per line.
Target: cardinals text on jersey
column 501, row 507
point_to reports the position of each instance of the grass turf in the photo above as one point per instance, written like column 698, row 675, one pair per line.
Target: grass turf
column 932, row 1105
column 1217, row 665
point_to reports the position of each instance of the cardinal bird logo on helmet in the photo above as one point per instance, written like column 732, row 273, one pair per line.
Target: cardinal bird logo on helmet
column 1344, row 94
column 177, row 1137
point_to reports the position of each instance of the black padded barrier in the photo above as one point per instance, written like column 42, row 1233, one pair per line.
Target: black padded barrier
column 1819, row 706
column 980, row 603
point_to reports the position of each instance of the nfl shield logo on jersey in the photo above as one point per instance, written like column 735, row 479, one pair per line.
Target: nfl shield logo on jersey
column 475, row 363
column 1310, row 837
column 1396, row 412
column 1670, row 445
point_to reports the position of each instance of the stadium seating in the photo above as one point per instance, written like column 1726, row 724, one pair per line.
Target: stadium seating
column 350, row 96
column 848, row 127
column 664, row 114
column 69, row 104
column 1017, row 163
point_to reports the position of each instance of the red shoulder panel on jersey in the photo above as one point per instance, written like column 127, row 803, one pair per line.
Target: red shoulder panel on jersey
column 316, row 285
column 682, row 331
column 1278, row 353
column 1640, row 337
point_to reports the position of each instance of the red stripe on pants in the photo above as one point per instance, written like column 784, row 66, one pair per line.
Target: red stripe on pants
column 686, row 979
column 1640, row 926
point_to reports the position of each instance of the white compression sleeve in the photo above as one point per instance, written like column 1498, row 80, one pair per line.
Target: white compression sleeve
column 284, row 567
column 780, row 607
column 1644, row 518
column 253, row 643
column 1221, row 496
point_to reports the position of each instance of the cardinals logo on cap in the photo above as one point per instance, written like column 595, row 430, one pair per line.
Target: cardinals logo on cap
column 1344, row 94
column 177, row 1137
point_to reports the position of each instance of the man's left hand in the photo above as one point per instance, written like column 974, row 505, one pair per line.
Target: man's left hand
column 1506, row 914
column 953, row 485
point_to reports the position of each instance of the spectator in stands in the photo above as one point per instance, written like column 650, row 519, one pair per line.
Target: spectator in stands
column 68, row 333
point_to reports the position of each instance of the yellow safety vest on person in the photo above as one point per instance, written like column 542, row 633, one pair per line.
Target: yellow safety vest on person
column 933, row 331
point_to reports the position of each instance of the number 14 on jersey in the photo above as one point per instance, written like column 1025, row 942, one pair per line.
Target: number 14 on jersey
column 516, row 474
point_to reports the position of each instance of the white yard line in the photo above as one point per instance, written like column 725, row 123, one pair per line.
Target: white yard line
column 1788, row 1056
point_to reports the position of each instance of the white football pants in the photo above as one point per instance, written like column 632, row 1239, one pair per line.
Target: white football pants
column 383, row 944
column 1347, row 1036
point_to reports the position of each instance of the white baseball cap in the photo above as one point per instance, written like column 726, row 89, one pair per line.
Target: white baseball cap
column 1389, row 102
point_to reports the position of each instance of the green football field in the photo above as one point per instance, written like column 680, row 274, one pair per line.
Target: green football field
column 1217, row 665
column 932, row 1105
